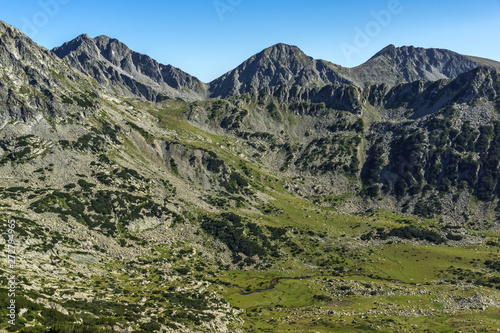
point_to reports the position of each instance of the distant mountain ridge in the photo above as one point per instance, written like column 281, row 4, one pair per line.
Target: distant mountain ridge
column 277, row 65
column 396, row 65
column 281, row 70
column 111, row 62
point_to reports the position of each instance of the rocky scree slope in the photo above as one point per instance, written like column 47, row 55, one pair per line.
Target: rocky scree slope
column 130, row 211
column 35, row 82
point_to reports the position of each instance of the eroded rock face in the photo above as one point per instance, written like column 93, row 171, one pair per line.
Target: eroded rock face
column 34, row 81
column 130, row 206
column 396, row 65
column 113, row 64
column 198, row 166
column 278, row 65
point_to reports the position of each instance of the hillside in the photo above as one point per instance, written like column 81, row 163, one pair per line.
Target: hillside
column 288, row 195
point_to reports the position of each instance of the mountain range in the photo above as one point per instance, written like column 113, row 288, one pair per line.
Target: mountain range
column 111, row 62
column 288, row 195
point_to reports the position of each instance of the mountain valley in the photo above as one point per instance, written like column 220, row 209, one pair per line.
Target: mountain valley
column 288, row 195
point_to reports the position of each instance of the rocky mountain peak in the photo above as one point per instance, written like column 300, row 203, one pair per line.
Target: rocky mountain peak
column 114, row 64
column 397, row 65
column 388, row 50
column 104, row 38
column 4, row 27
column 114, row 50
column 83, row 37
column 284, row 52
column 285, row 56
column 81, row 43
column 278, row 65
column 28, row 87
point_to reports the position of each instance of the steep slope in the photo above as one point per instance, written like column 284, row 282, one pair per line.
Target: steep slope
column 396, row 65
column 34, row 82
column 475, row 87
column 311, row 206
column 87, row 190
column 486, row 62
column 115, row 66
column 277, row 65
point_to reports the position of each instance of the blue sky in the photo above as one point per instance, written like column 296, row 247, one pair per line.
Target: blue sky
column 207, row 38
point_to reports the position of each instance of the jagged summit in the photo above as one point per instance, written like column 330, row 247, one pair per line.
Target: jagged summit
column 282, row 51
column 386, row 50
column 396, row 65
column 82, row 41
column 83, row 36
column 28, row 86
column 114, row 64
column 280, row 64
column 361, row 186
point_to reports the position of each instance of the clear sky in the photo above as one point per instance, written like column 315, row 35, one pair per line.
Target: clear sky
column 207, row 38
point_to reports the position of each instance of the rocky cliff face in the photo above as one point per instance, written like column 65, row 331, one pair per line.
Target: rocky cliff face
column 34, row 82
column 115, row 66
column 278, row 65
column 397, row 65
column 424, row 98
column 136, row 197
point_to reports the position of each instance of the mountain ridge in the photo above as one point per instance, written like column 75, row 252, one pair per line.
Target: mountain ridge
column 280, row 64
column 408, row 64
column 283, row 64
column 114, row 64
column 140, row 204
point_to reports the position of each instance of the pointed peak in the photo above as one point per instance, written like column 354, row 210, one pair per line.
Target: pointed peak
column 104, row 42
column 79, row 40
column 283, row 53
column 104, row 39
column 283, row 48
column 389, row 49
column 86, row 38
column 82, row 38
